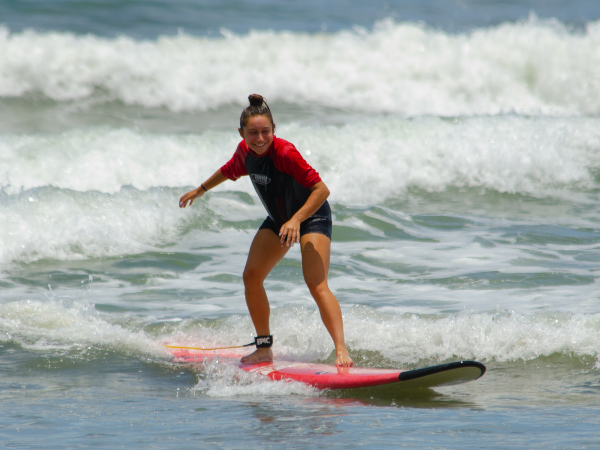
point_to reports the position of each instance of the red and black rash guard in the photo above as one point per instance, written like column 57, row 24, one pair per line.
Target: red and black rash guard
column 281, row 177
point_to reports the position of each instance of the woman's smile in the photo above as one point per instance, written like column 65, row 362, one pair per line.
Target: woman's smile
column 258, row 134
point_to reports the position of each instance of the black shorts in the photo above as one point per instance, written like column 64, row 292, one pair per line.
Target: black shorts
column 314, row 224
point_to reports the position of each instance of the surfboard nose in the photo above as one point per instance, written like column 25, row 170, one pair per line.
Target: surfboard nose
column 445, row 374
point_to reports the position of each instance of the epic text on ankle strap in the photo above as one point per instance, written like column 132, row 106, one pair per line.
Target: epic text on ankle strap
column 263, row 341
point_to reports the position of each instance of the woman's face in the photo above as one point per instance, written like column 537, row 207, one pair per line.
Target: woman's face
column 258, row 134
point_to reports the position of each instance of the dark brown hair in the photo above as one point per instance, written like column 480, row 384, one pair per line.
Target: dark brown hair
column 258, row 107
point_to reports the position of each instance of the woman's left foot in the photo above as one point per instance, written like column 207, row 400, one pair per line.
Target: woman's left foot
column 343, row 358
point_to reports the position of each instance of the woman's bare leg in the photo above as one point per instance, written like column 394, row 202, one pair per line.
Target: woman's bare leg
column 265, row 252
column 316, row 250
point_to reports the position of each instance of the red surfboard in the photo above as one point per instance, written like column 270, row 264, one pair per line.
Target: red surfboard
column 327, row 376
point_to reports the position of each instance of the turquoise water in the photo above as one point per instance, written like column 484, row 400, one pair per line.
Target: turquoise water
column 461, row 144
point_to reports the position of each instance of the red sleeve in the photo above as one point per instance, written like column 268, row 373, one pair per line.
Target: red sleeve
column 236, row 166
column 289, row 160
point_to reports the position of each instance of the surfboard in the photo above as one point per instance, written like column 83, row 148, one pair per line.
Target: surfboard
column 327, row 376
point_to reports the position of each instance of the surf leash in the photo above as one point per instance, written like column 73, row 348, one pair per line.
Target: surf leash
column 259, row 341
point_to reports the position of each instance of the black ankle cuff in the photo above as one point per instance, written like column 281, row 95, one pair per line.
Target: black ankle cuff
column 263, row 341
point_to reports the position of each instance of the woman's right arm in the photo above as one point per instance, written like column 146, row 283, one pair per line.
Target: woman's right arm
column 216, row 179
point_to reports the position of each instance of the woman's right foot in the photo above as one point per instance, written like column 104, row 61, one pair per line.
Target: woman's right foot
column 260, row 355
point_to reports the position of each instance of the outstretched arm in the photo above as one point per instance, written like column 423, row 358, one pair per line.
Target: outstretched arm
column 290, row 231
column 215, row 179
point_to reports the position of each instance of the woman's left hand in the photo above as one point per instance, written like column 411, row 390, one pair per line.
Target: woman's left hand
column 289, row 234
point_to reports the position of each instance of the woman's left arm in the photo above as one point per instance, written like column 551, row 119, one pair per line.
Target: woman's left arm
column 289, row 233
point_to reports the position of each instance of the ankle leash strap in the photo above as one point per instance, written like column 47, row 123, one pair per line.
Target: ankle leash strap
column 263, row 341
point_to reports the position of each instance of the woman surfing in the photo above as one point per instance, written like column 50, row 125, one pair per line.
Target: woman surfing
column 295, row 198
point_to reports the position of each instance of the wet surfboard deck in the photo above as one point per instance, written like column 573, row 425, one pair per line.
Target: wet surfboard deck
column 328, row 376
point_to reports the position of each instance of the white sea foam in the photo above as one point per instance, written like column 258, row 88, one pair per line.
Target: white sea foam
column 105, row 160
column 63, row 224
column 371, row 160
column 528, row 67
column 533, row 156
column 60, row 324
column 500, row 337
column 103, row 192
column 225, row 380
column 408, row 338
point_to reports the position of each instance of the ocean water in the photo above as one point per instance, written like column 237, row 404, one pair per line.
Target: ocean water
column 460, row 141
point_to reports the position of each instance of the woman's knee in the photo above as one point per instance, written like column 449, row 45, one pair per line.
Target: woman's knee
column 253, row 276
column 317, row 287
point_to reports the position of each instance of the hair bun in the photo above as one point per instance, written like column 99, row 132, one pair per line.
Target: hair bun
column 258, row 107
column 256, row 100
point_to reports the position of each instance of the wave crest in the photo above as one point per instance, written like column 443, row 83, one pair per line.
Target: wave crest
column 528, row 67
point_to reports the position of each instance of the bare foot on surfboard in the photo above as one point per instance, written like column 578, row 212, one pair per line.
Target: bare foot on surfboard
column 343, row 358
column 258, row 356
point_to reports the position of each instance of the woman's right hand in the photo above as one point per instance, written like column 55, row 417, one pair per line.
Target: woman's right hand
column 190, row 197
